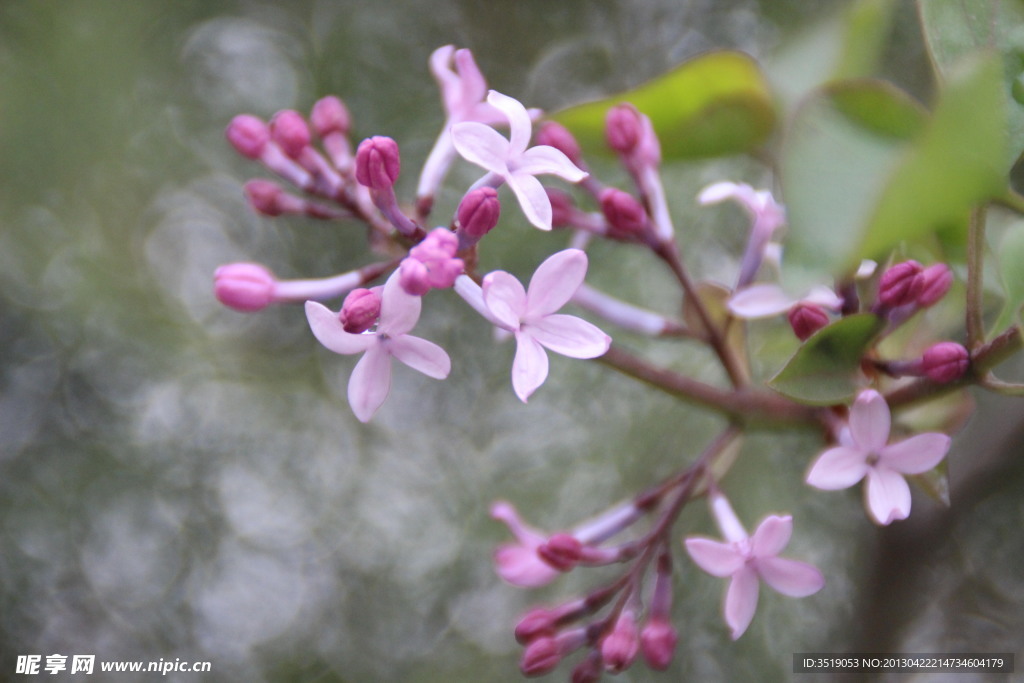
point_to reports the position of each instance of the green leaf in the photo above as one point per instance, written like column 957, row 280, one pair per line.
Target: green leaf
column 956, row 29
column 957, row 164
column 867, row 24
column 1011, row 258
column 845, row 142
column 713, row 105
column 824, row 369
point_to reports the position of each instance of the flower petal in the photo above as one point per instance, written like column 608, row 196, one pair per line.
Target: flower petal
column 837, row 468
column 370, row 382
column 790, row 577
column 328, row 330
column 399, row 310
column 823, row 296
column 741, row 600
column 571, row 336
column 420, row 354
column 760, row 301
column 714, row 557
column 870, row 421
column 533, row 199
column 521, row 566
column 771, row 536
column 555, row 281
column 917, row 454
column 720, row 191
column 530, row 366
column 519, row 124
column 473, row 85
column 886, row 495
column 481, row 145
column 545, row 159
column 505, row 298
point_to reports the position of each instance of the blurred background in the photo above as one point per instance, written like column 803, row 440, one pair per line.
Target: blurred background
column 178, row 480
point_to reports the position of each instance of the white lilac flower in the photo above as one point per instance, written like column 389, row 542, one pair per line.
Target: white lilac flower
column 512, row 160
column 865, row 453
column 370, row 382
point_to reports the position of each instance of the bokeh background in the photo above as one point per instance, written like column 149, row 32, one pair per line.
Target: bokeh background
column 178, row 480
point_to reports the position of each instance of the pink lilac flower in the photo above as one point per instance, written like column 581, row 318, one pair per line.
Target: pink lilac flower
column 747, row 559
column 764, row 300
column 518, row 563
column 431, row 264
column 530, row 315
column 370, row 382
column 864, row 452
column 766, row 216
column 513, row 160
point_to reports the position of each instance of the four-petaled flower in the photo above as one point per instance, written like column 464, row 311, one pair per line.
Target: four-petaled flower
column 371, row 379
column 864, row 452
column 766, row 216
column 746, row 559
column 512, row 160
column 763, row 300
column 530, row 315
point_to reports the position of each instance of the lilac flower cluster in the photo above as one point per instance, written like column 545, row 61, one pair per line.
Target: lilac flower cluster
column 629, row 617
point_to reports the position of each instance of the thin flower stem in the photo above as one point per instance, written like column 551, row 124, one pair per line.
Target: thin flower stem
column 975, row 262
column 669, row 254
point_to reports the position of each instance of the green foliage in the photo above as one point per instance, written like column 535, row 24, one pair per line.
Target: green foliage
column 1011, row 256
column 824, row 369
column 713, row 105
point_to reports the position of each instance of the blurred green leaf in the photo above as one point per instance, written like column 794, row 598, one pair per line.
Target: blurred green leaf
column 956, row 29
column 1011, row 256
column 715, row 298
column 713, row 105
column 956, row 164
column 844, row 143
column 824, row 370
column 866, row 25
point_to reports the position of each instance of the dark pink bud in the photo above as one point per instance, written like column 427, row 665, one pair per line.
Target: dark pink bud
column 360, row 310
column 562, row 208
column 558, row 136
column 539, row 621
column 378, row 162
column 330, row 115
column 620, row 647
column 245, row 287
column 478, row 213
column 290, row 131
column 562, row 551
column 900, row 284
column 623, row 128
column 264, row 196
column 945, row 362
column 658, row 643
column 588, row 671
column 541, row 656
column 806, row 319
column 937, row 279
column 623, row 212
column 248, row 135
column 414, row 276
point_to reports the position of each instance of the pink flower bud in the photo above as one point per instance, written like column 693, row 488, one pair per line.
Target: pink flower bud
column 658, row 643
column 414, row 277
column 539, row 621
column 478, row 213
column 806, row 319
column 562, row 208
column 937, row 279
column 248, row 135
column 329, row 115
column 264, row 196
column 558, row 136
column 901, row 284
column 587, row 671
column 620, row 647
column 431, row 263
column 624, row 213
column 945, row 362
column 245, row 287
column 360, row 310
column 541, row 656
column 378, row 163
column 290, row 131
column 623, row 128
column 562, row 551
